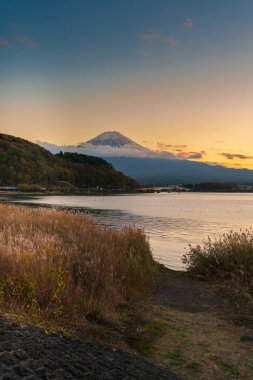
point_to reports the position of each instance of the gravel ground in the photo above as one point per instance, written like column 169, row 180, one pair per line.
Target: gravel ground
column 28, row 353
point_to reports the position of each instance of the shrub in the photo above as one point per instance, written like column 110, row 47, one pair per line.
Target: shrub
column 228, row 263
column 61, row 264
column 30, row 188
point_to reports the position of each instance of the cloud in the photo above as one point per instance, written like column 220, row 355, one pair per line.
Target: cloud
column 25, row 40
column 171, row 41
column 231, row 156
column 164, row 154
column 4, row 42
column 188, row 23
column 214, row 163
column 191, row 155
column 13, row 23
column 158, row 36
column 170, row 146
column 181, row 155
column 179, row 151
column 143, row 53
column 149, row 37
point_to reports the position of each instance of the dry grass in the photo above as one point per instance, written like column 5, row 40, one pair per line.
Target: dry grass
column 63, row 265
column 228, row 264
column 203, row 346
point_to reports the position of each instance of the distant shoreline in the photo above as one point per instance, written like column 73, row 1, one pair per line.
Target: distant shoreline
column 116, row 192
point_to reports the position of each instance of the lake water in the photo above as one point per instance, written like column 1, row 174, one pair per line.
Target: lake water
column 171, row 220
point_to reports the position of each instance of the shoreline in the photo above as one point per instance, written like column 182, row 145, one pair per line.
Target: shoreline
column 116, row 192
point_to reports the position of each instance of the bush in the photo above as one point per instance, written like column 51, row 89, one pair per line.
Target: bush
column 60, row 264
column 228, row 263
column 30, row 188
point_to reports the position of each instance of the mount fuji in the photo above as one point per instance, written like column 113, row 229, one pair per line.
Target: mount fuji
column 113, row 139
column 115, row 144
column 151, row 167
column 108, row 144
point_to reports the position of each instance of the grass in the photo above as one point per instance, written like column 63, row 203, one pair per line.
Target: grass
column 63, row 266
column 228, row 263
column 176, row 359
column 142, row 335
column 210, row 348
column 225, row 366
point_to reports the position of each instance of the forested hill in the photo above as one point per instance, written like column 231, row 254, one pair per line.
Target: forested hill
column 26, row 163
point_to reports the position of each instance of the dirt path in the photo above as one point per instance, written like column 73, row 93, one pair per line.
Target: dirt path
column 201, row 342
column 177, row 290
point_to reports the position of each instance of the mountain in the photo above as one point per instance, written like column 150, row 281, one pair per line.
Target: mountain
column 170, row 171
column 23, row 162
column 153, row 167
column 113, row 139
column 106, row 144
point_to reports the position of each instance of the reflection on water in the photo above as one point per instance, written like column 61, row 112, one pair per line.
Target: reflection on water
column 171, row 221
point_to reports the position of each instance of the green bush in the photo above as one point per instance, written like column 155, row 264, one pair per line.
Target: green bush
column 30, row 188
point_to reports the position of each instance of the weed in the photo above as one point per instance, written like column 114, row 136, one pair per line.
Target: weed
column 176, row 359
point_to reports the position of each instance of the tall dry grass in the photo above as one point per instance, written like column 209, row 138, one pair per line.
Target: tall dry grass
column 228, row 263
column 62, row 264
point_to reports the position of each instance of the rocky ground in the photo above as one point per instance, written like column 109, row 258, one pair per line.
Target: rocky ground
column 29, row 353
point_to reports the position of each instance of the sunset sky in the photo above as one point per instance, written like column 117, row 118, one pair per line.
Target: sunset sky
column 173, row 75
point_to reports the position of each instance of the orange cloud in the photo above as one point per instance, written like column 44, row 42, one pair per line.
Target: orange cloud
column 231, row 156
column 191, row 155
column 176, row 147
column 179, row 151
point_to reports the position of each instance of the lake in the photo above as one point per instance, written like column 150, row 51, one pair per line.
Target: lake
column 170, row 220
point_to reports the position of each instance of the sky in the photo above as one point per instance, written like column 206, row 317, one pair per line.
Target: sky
column 173, row 75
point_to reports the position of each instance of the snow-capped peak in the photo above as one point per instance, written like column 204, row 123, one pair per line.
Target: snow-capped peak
column 113, row 139
column 109, row 144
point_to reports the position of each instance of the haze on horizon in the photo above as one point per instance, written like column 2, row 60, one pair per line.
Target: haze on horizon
column 173, row 75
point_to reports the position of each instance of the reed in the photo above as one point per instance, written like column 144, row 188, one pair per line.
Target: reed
column 62, row 264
